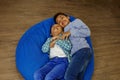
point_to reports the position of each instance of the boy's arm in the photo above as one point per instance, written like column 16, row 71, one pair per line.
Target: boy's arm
column 46, row 46
column 79, row 29
column 65, row 44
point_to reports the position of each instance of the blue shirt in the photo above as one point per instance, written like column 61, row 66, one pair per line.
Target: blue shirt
column 79, row 31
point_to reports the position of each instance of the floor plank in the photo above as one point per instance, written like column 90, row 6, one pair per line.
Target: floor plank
column 16, row 16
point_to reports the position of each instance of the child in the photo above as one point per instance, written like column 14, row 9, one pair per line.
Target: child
column 59, row 53
column 77, row 32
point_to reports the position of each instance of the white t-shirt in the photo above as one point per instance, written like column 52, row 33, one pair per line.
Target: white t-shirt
column 57, row 51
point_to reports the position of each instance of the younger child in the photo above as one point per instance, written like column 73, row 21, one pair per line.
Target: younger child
column 59, row 53
column 77, row 32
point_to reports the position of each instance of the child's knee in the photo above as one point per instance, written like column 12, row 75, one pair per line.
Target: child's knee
column 38, row 76
column 49, row 77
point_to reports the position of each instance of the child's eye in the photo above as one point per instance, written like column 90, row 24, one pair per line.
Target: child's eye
column 61, row 17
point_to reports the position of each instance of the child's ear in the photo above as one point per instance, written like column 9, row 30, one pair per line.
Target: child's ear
column 68, row 17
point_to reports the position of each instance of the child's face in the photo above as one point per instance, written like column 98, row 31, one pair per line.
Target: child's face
column 56, row 30
column 62, row 20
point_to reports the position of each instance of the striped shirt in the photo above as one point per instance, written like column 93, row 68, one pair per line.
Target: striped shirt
column 65, row 45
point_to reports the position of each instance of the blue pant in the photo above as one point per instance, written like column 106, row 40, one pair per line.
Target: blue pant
column 53, row 70
column 78, row 64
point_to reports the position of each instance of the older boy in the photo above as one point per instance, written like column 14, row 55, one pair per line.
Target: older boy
column 77, row 32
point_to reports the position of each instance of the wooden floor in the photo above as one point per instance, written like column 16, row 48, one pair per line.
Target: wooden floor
column 16, row 16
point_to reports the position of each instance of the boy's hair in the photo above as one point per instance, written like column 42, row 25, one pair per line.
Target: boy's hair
column 57, row 14
column 51, row 32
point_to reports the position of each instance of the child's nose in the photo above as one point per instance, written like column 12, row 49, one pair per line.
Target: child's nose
column 61, row 20
column 55, row 29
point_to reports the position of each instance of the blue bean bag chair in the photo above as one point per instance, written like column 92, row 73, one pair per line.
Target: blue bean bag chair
column 29, row 56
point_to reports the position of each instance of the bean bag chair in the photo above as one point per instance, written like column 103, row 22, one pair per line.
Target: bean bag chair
column 29, row 56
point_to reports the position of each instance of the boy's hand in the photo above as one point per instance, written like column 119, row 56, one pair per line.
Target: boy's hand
column 66, row 35
column 55, row 38
column 52, row 43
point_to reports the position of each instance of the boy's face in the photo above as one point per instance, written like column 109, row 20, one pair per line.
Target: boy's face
column 56, row 30
column 62, row 20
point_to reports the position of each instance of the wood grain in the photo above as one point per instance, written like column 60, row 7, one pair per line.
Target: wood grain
column 16, row 16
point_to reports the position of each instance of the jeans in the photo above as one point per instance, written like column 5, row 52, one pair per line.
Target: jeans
column 53, row 70
column 78, row 64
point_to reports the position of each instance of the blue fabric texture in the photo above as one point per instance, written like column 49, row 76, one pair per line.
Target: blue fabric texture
column 29, row 56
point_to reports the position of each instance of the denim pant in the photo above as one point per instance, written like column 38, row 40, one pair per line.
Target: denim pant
column 53, row 70
column 78, row 64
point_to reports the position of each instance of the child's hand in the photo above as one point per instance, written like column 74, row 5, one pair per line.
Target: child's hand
column 66, row 35
column 52, row 43
column 55, row 38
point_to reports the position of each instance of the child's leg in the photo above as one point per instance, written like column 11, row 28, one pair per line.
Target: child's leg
column 85, row 64
column 58, row 71
column 76, row 65
column 42, row 72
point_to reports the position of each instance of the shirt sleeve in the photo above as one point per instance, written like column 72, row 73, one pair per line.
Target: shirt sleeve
column 65, row 44
column 79, row 29
column 46, row 46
